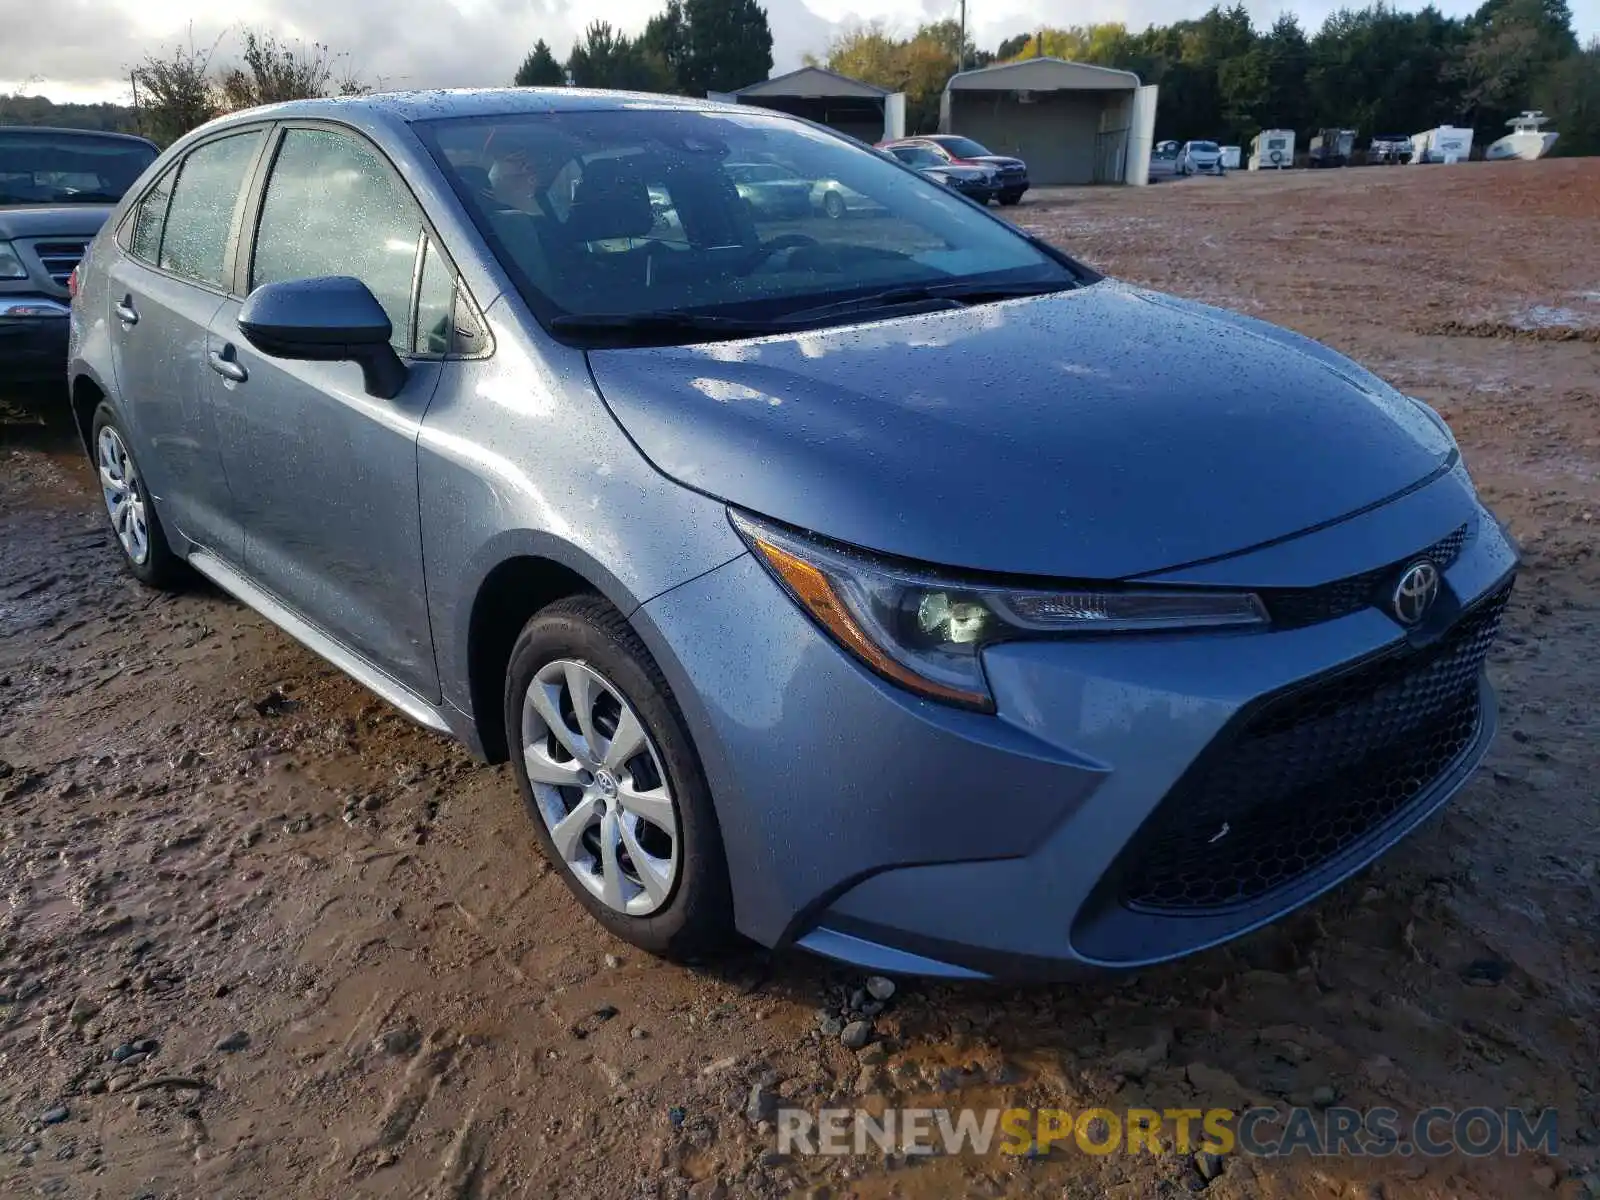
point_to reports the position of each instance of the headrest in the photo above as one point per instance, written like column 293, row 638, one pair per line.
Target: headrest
column 611, row 201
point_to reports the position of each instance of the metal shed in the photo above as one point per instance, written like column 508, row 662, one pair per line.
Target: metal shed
column 1072, row 122
column 859, row 109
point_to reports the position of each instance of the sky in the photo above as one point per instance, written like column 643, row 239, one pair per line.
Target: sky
column 83, row 49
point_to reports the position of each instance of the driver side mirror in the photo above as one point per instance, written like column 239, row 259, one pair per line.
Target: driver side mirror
column 333, row 319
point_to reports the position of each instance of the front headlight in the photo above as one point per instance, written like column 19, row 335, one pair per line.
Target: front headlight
column 10, row 264
column 926, row 630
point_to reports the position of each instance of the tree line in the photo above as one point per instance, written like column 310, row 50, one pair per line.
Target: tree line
column 1376, row 69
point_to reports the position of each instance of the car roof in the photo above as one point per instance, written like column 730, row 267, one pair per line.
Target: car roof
column 95, row 133
column 472, row 102
column 381, row 112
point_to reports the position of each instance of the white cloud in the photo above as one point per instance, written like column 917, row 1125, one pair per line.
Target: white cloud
column 83, row 49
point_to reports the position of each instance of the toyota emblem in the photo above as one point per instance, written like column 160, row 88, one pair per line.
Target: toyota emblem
column 1415, row 593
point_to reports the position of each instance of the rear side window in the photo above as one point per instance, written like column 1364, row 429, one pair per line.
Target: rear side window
column 149, row 219
column 200, row 216
column 334, row 207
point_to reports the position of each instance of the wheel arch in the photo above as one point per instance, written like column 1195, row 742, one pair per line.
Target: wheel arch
column 86, row 395
column 522, row 573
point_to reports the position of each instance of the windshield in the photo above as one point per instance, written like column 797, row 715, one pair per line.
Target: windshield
column 1204, row 147
column 49, row 167
column 963, row 147
column 918, row 156
column 651, row 213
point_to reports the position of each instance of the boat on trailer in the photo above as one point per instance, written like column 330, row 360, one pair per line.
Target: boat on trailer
column 1528, row 138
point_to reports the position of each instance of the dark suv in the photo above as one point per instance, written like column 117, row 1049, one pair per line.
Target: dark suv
column 57, row 186
column 1012, row 173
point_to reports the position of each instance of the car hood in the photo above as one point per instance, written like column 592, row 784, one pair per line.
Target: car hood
column 996, row 160
column 52, row 220
column 1100, row 433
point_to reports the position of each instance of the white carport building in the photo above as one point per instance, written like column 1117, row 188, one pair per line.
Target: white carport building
column 859, row 109
column 1071, row 122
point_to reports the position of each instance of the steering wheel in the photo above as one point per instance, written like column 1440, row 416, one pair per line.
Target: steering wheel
column 784, row 241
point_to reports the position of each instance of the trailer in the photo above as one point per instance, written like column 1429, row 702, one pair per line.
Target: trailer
column 1231, row 157
column 1272, row 150
column 1446, row 144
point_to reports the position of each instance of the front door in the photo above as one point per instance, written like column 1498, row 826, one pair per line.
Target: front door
column 165, row 290
column 324, row 474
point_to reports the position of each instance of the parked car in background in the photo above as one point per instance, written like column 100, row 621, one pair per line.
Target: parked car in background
column 771, row 189
column 978, row 183
column 836, row 200
column 57, row 186
column 794, row 614
column 1200, row 158
column 1164, row 160
column 1386, row 149
column 1011, row 174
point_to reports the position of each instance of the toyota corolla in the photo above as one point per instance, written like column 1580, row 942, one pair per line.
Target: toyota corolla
column 876, row 587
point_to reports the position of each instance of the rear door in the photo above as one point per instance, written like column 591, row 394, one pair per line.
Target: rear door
column 166, row 285
column 325, row 474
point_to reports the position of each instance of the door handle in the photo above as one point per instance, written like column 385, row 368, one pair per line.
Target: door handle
column 126, row 312
column 223, row 363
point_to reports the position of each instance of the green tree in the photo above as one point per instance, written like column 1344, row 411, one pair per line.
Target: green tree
column 728, row 46
column 1570, row 95
column 605, row 58
column 1012, row 46
column 540, row 68
column 666, row 38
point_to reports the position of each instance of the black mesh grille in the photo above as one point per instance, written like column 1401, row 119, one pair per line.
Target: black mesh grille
column 58, row 258
column 1292, row 608
column 1311, row 773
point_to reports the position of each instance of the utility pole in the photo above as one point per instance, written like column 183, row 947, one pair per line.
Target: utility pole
column 961, row 50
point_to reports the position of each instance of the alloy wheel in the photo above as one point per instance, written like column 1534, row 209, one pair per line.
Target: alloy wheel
column 124, row 495
column 600, row 789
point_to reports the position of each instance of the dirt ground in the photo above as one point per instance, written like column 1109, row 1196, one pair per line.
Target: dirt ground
column 261, row 937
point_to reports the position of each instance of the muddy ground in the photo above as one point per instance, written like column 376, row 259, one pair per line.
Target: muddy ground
column 262, row 937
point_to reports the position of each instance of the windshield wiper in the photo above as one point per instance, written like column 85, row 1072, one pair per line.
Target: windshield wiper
column 632, row 329
column 947, row 295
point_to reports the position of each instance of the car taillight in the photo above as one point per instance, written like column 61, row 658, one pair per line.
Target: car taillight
column 72, row 284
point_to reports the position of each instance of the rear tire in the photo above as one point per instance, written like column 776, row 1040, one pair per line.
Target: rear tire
column 135, row 524
column 579, row 665
column 833, row 205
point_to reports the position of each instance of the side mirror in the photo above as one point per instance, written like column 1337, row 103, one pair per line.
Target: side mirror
column 335, row 319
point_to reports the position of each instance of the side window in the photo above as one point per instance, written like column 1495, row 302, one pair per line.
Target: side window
column 436, row 305
column 149, row 219
column 200, row 215
column 334, row 207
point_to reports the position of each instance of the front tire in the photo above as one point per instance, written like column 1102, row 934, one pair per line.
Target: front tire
column 1010, row 199
column 611, row 779
column 130, row 507
column 833, row 205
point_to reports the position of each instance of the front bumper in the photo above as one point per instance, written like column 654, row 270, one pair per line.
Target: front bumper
column 903, row 835
column 981, row 192
column 33, row 338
